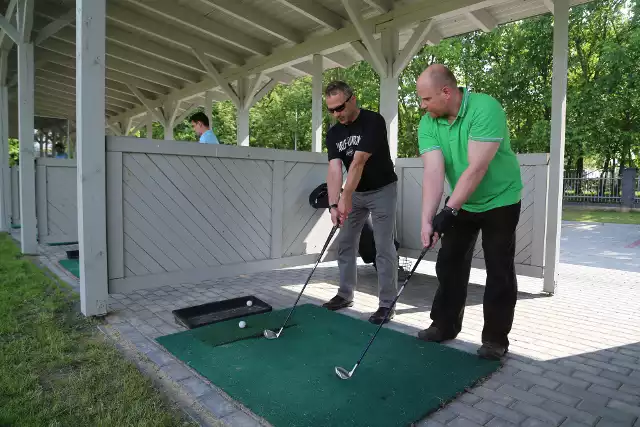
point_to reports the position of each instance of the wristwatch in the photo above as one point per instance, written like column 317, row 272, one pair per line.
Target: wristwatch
column 453, row 211
column 332, row 206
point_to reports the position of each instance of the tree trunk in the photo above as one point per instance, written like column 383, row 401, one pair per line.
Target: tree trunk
column 579, row 171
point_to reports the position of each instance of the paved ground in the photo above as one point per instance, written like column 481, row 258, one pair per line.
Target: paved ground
column 613, row 246
column 574, row 359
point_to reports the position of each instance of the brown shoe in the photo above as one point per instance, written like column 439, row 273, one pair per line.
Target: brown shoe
column 379, row 316
column 434, row 334
column 336, row 303
column 492, row 351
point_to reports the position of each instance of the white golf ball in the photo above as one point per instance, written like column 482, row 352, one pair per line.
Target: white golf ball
column 242, row 324
column 249, row 303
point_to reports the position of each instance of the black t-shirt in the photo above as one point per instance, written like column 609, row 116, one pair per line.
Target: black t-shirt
column 367, row 133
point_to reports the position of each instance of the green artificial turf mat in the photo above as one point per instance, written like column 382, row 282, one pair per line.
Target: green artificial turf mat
column 291, row 381
column 71, row 265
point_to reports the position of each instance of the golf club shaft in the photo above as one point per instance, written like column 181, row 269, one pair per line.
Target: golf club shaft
column 333, row 231
column 424, row 251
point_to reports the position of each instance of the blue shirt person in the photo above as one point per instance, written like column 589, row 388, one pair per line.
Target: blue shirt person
column 200, row 125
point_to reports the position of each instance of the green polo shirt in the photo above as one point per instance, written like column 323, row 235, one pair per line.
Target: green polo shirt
column 481, row 118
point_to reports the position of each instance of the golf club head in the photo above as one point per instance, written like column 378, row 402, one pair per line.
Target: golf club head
column 342, row 373
column 269, row 334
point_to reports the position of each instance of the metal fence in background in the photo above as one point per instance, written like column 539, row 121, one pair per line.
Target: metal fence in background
column 592, row 187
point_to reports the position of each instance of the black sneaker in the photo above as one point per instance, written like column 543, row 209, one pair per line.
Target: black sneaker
column 492, row 351
column 434, row 334
column 336, row 303
column 379, row 316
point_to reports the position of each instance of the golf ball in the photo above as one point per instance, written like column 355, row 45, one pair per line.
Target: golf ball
column 242, row 324
column 249, row 303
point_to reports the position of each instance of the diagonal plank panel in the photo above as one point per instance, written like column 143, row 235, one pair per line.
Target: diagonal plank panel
column 62, row 209
column 228, row 196
column 245, row 176
column 223, row 242
column 256, row 239
column 149, row 247
column 210, row 216
column 300, row 219
column 161, row 219
column 139, row 253
column 181, row 220
column 163, row 237
column 260, row 213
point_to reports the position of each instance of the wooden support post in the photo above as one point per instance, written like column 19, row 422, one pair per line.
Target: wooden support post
column 26, row 65
column 558, row 122
column 316, row 104
column 5, row 173
column 208, row 107
column 149, row 120
column 243, row 113
column 90, row 101
column 389, row 89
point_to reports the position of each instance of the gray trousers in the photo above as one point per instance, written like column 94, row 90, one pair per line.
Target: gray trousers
column 381, row 203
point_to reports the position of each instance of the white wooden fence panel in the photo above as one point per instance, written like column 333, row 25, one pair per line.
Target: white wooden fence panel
column 305, row 228
column 56, row 200
column 530, row 232
column 191, row 212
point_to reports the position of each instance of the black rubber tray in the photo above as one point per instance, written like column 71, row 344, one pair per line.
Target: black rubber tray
column 218, row 311
column 75, row 254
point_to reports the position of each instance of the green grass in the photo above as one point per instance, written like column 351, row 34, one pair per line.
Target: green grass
column 56, row 369
column 601, row 216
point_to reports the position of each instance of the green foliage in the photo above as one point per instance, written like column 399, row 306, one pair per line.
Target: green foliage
column 282, row 119
column 14, row 152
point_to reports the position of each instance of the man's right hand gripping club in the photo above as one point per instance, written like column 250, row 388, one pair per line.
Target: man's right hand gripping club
column 442, row 222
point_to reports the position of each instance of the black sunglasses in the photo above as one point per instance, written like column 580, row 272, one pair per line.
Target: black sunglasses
column 339, row 107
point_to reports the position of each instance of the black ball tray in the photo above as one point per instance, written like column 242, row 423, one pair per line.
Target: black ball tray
column 218, row 311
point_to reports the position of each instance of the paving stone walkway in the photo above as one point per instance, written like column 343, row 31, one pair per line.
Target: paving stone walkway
column 574, row 358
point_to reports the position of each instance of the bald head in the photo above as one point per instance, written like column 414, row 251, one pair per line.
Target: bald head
column 438, row 76
column 438, row 91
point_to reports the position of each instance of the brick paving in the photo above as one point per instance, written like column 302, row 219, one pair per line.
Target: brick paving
column 574, row 358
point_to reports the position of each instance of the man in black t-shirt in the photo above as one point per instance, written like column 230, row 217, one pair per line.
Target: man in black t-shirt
column 359, row 142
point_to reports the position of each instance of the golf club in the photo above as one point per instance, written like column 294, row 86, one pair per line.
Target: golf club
column 342, row 373
column 268, row 333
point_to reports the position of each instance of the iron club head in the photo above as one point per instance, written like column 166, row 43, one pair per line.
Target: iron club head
column 269, row 334
column 342, row 373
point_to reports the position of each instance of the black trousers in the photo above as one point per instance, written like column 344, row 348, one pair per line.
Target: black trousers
column 453, row 268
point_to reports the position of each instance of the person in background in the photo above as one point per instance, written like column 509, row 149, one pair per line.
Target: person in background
column 60, row 151
column 200, row 125
column 464, row 136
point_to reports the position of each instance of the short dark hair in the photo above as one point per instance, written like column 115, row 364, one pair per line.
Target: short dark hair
column 337, row 86
column 200, row 117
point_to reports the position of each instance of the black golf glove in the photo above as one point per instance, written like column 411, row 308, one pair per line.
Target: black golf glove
column 443, row 221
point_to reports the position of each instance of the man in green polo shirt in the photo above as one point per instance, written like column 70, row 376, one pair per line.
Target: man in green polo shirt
column 464, row 136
